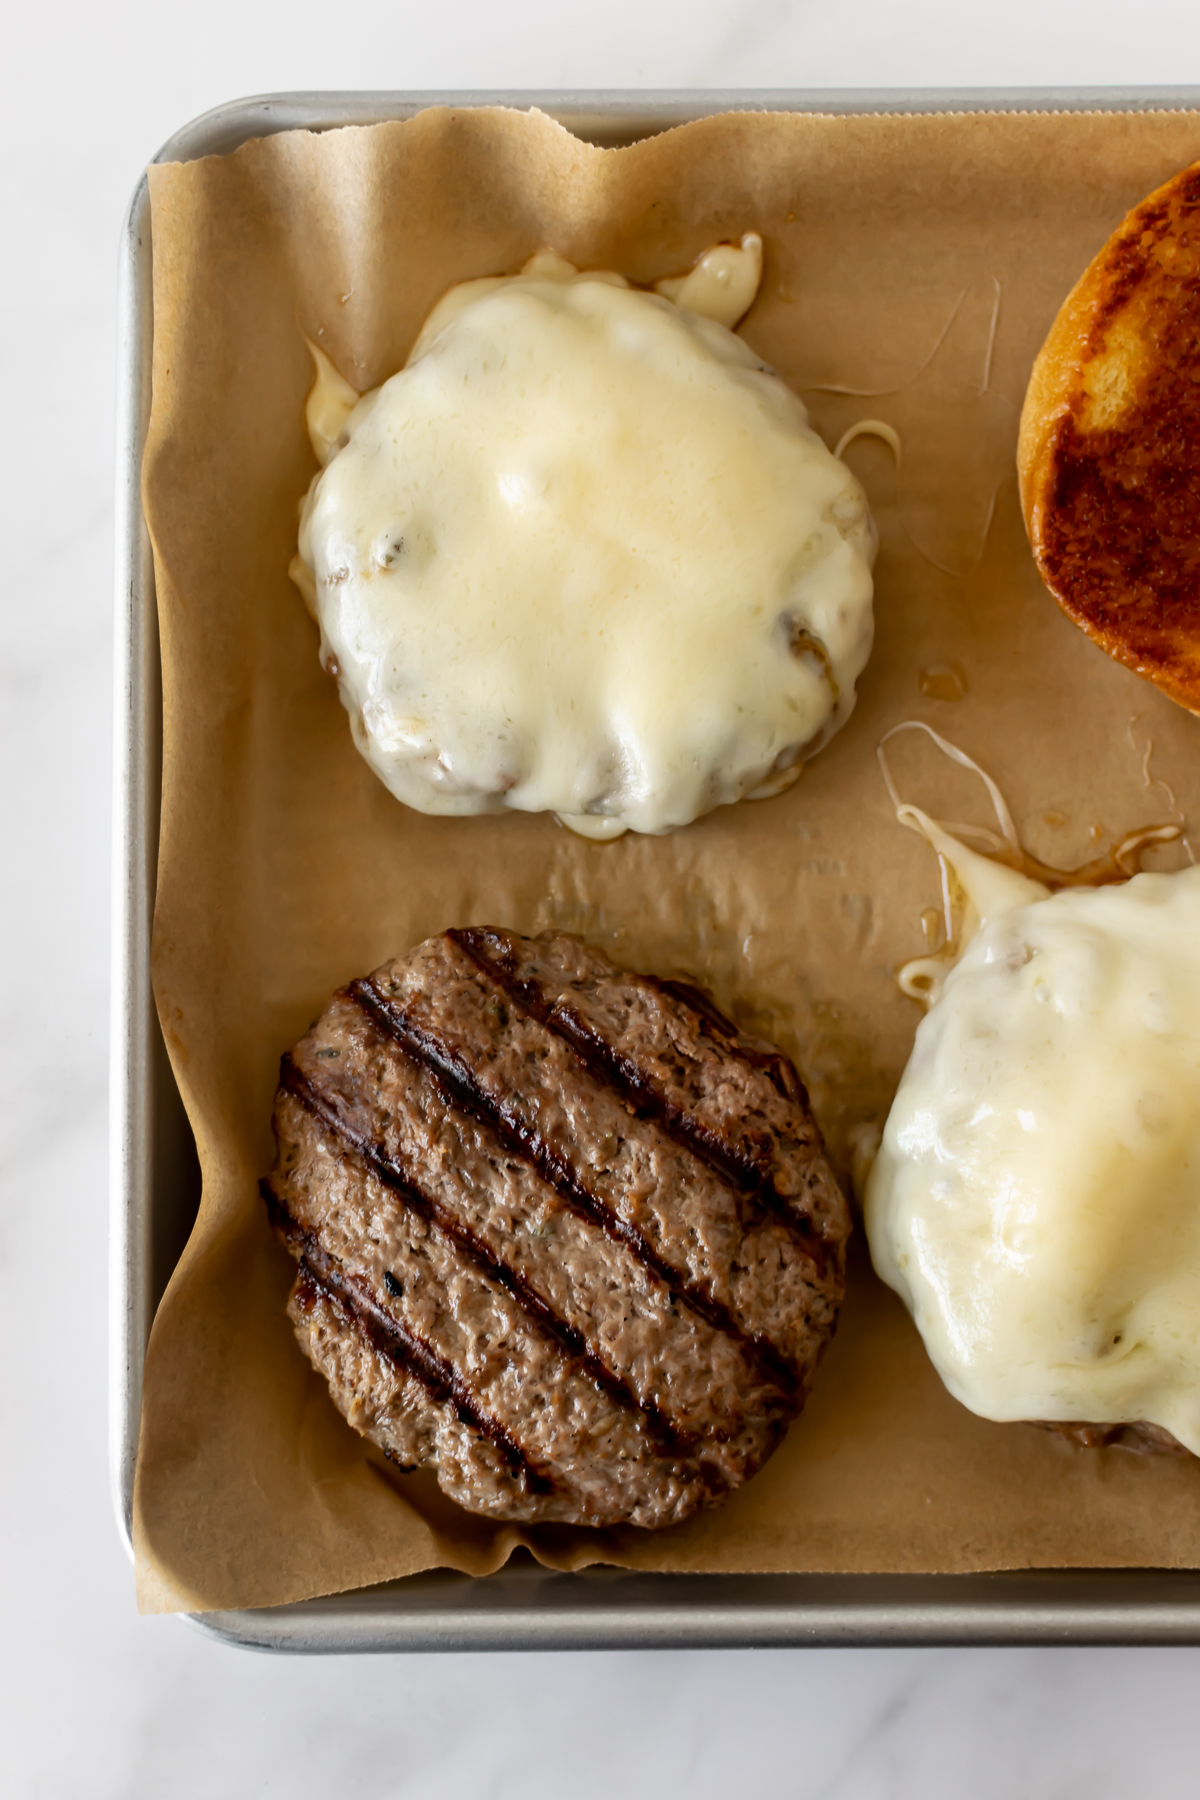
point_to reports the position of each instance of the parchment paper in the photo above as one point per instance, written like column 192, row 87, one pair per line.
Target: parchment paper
column 913, row 266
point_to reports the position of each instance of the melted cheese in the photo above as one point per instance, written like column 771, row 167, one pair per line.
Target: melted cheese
column 722, row 284
column 584, row 555
column 983, row 888
column 328, row 408
column 1036, row 1198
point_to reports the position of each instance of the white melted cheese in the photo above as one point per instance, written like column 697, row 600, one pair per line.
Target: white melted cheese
column 1036, row 1197
column 721, row 284
column 585, row 555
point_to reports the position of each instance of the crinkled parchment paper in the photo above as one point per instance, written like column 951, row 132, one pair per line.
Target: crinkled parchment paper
column 913, row 266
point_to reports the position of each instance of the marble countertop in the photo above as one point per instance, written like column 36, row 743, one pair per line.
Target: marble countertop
column 97, row 1701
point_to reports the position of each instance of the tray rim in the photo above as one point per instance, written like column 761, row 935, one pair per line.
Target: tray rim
column 518, row 1607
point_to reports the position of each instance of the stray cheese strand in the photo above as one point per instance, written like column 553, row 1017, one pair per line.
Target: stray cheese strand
column 974, row 888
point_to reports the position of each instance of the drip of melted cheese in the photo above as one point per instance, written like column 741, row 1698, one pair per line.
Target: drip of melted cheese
column 721, row 284
column 984, row 888
column 585, row 555
column 1036, row 1197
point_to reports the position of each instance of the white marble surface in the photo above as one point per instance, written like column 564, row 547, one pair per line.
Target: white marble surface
column 93, row 1700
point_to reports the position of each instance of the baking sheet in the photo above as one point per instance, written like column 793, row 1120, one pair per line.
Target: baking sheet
column 916, row 261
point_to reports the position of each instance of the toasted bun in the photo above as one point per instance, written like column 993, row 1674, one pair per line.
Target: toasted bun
column 1109, row 449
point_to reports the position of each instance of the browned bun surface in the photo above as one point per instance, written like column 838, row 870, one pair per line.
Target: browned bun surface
column 1109, row 450
column 566, row 1235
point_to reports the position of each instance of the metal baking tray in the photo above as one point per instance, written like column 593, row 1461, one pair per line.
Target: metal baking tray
column 155, row 1177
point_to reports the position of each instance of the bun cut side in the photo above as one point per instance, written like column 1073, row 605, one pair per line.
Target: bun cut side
column 1109, row 449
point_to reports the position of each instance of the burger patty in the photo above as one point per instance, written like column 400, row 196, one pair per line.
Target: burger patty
column 1138, row 1435
column 565, row 1234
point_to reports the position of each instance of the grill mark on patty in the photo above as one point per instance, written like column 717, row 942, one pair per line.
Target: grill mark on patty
column 606, row 1063
column 777, row 1067
column 400, row 1182
column 306, row 1295
column 519, row 1140
column 399, row 1343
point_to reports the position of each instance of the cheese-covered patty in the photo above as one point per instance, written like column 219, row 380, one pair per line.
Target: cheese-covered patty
column 1036, row 1199
column 585, row 555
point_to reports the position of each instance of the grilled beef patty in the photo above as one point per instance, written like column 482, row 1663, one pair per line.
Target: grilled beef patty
column 565, row 1234
column 1138, row 1435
